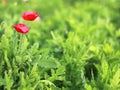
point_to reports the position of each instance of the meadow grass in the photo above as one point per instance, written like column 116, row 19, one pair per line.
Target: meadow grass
column 75, row 46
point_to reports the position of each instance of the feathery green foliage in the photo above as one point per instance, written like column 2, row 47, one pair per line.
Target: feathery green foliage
column 76, row 46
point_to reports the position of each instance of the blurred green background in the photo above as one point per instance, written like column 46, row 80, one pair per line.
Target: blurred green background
column 58, row 15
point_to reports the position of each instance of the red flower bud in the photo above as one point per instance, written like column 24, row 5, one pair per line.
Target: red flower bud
column 30, row 16
column 21, row 28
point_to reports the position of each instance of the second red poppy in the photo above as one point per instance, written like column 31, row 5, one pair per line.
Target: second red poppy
column 21, row 28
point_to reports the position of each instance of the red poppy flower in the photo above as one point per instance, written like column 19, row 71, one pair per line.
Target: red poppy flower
column 30, row 16
column 21, row 28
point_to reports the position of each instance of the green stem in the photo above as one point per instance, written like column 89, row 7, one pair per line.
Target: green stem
column 20, row 43
column 6, row 59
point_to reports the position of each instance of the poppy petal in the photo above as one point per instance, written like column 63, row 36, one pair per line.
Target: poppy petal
column 30, row 16
column 21, row 28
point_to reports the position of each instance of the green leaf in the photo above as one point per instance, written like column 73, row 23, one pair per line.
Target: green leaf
column 115, row 81
column 49, row 63
column 2, row 81
column 88, row 87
